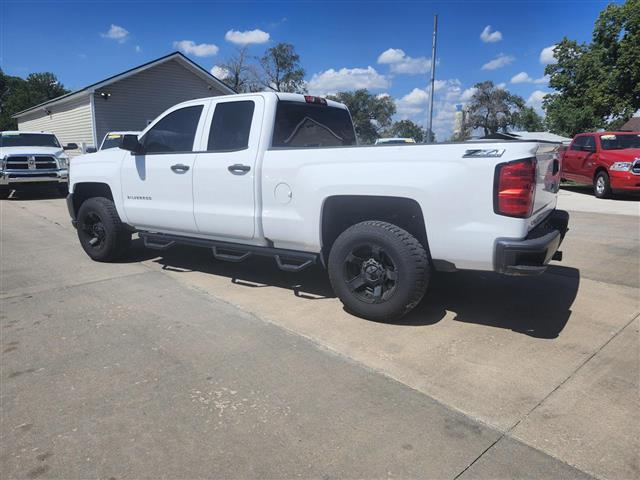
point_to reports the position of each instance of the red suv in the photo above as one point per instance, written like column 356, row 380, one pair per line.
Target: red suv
column 610, row 161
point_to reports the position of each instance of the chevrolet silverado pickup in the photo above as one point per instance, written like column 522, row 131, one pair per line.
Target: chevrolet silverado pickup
column 281, row 175
column 29, row 159
column 610, row 161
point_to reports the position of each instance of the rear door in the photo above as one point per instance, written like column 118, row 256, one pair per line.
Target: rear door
column 157, row 185
column 225, row 173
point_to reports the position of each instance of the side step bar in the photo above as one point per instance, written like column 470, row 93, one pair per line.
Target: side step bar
column 287, row 260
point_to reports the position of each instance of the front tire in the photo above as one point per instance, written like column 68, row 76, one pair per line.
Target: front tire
column 378, row 270
column 602, row 185
column 101, row 233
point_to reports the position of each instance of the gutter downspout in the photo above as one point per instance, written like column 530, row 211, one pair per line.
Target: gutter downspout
column 93, row 119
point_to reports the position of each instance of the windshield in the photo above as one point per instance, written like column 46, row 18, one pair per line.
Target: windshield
column 28, row 140
column 111, row 140
column 620, row 142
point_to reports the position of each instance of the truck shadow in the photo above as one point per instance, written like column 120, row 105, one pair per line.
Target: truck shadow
column 536, row 306
column 35, row 193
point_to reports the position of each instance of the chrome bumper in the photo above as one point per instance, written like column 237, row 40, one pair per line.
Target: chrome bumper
column 11, row 177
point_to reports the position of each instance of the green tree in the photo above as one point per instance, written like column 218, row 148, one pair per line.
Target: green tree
column 371, row 114
column 597, row 84
column 17, row 94
column 281, row 69
column 492, row 109
column 528, row 120
column 409, row 129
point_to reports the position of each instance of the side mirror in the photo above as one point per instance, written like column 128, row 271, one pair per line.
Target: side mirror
column 90, row 150
column 70, row 146
column 131, row 143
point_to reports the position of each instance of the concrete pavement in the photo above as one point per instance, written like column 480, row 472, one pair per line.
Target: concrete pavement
column 479, row 350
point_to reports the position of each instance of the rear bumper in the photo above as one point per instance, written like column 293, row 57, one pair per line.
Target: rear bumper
column 530, row 256
column 21, row 177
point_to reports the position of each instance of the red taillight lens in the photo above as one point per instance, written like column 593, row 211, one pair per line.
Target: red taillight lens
column 515, row 184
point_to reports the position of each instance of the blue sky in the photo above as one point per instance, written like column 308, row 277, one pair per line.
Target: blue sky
column 385, row 46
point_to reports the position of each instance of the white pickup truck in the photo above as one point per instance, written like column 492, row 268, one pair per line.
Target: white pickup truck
column 281, row 175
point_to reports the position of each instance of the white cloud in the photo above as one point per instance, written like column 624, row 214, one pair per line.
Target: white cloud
column 500, row 61
column 400, row 62
column 247, row 37
column 197, row 49
column 523, row 77
column 547, row 55
column 220, row 72
column 535, row 100
column 117, row 33
column 412, row 103
column 488, row 36
column 501, row 85
column 468, row 94
column 333, row 81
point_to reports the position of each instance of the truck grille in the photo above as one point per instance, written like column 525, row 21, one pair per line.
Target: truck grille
column 42, row 162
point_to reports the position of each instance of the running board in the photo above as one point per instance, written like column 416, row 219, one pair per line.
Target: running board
column 286, row 260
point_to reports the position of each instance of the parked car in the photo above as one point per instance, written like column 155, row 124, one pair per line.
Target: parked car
column 280, row 175
column 610, row 161
column 29, row 159
column 394, row 141
column 113, row 139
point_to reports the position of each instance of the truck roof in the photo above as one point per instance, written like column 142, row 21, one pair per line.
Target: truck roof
column 16, row 132
column 284, row 96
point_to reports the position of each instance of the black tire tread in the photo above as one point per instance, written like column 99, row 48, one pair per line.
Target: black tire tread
column 123, row 235
column 418, row 257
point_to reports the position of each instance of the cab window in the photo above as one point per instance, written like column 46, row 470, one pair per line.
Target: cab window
column 578, row 143
column 173, row 133
column 231, row 126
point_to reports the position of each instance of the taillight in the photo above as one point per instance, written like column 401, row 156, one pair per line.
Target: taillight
column 514, row 188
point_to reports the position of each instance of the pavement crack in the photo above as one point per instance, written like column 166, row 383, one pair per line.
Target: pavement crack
column 507, row 433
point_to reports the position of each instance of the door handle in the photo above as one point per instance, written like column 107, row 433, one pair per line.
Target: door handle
column 238, row 169
column 179, row 168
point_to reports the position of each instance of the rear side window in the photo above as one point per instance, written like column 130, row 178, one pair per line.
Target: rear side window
column 231, row 126
column 173, row 133
column 310, row 125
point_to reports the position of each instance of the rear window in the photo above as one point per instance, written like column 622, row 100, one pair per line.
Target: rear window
column 309, row 125
column 111, row 140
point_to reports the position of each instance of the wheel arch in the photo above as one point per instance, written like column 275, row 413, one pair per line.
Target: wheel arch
column 85, row 190
column 339, row 212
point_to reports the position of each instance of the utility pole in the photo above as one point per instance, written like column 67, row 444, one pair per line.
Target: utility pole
column 433, row 76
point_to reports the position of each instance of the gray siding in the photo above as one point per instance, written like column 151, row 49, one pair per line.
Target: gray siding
column 140, row 98
column 70, row 122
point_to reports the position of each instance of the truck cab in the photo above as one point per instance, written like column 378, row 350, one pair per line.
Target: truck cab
column 610, row 161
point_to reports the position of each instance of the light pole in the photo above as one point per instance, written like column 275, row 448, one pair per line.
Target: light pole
column 433, row 76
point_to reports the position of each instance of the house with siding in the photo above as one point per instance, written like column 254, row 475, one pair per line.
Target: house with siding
column 127, row 101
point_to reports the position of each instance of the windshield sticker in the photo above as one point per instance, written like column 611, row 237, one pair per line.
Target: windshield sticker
column 10, row 134
column 608, row 137
column 112, row 136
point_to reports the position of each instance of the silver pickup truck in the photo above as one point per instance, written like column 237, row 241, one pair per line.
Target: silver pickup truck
column 30, row 159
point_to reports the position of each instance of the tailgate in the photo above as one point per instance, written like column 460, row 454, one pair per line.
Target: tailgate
column 547, row 182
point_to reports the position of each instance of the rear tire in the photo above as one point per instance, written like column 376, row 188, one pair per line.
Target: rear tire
column 602, row 185
column 101, row 233
column 378, row 270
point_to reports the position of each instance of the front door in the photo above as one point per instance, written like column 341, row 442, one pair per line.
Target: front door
column 157, row 185
column 225, row 174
